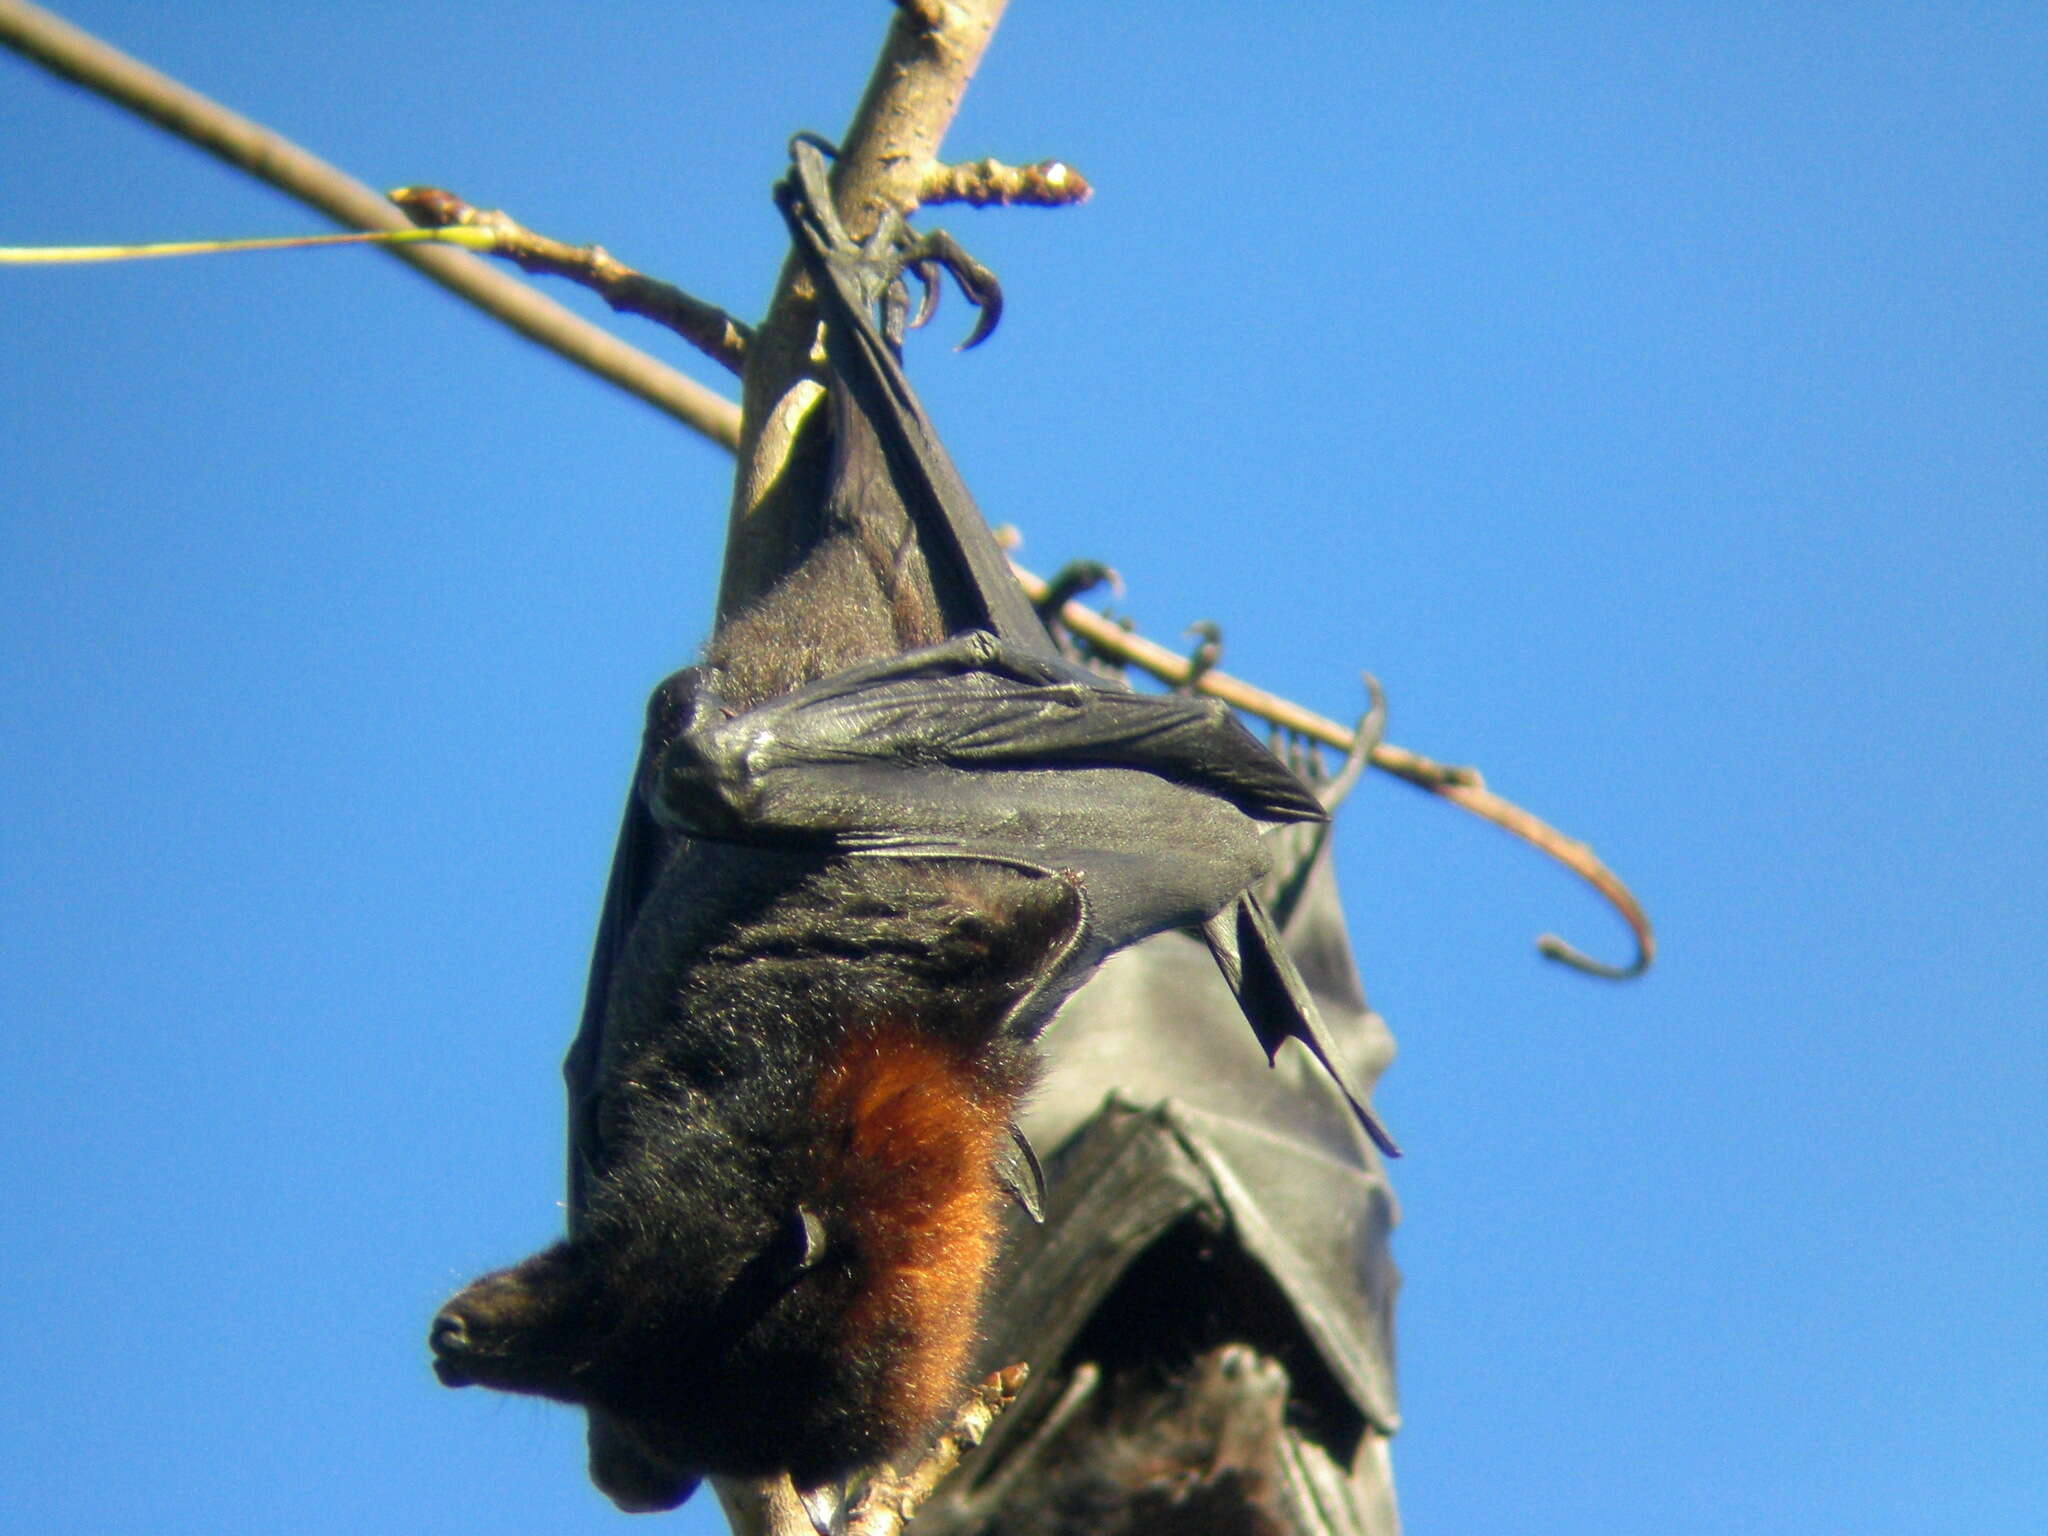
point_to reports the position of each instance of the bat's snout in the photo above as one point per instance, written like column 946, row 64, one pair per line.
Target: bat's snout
column 449, row 1339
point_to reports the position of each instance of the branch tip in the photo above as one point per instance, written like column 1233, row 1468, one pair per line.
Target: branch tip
column 706, row 327
column 990, row 183
column 1551, row 947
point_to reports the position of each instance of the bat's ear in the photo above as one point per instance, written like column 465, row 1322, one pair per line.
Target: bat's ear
column 1013, row 943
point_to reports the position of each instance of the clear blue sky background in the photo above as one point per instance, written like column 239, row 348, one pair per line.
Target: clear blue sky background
column 1652, row 396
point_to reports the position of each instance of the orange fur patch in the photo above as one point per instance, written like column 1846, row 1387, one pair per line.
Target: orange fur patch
column 915, row 1180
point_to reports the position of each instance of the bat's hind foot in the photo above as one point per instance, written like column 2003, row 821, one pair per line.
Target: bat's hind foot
column 880, row 264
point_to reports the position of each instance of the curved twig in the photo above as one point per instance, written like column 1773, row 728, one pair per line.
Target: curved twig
column 1461, row 786
column 1365, row 737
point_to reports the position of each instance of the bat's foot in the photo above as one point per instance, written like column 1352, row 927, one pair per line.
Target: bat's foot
column 878, row 266
column 897, row 252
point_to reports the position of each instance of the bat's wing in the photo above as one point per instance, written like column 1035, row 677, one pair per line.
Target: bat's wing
column 1213, row 1281
column 974, row 748
column 644, row 849
column 1277, row 1001
column 971, row 750
column 974, row 704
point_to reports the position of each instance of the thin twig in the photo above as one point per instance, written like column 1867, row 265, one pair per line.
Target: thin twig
column 249, row 147
column 1461, row 786
column 990, row 183
column 704, row 326
column 65, row 255
column 890, row 1498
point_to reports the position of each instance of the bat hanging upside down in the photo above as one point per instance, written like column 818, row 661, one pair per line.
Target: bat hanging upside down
column 860, row 869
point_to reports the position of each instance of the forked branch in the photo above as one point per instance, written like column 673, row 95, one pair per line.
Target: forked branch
column 889, row 158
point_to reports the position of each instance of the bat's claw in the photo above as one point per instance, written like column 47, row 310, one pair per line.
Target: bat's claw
column 826, row 1505
column 1203, row 658
column 1069, row 582
column 935, row 251
column 897, row 252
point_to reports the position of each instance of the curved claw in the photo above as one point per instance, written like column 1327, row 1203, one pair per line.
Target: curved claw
column 935, row 249
column 1069, row 582
column 927, row 274
column 1203, row 658
column 817, row 141
column 1372, row 727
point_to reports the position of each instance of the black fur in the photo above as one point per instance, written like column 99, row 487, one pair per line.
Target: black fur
column 681, row 1303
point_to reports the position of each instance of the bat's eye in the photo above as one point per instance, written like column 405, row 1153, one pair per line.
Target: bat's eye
column 798, row 1247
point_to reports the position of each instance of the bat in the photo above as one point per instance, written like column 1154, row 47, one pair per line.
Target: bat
column 872, row 844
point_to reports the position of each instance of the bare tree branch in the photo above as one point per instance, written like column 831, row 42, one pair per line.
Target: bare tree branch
column 889, row 1499
column 890, row 160
column 250, row 147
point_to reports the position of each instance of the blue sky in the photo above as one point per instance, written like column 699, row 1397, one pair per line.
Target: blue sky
column 1650, row 396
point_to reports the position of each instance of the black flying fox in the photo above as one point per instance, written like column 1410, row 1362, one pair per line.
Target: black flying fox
column 859, row 871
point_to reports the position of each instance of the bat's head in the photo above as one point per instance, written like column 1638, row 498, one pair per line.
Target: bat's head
column 620, row 1314
column 815, row 1316
column 793, row 1180
column 707, row 1326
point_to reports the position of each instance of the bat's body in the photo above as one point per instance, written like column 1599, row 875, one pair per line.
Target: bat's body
column 865, row 858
